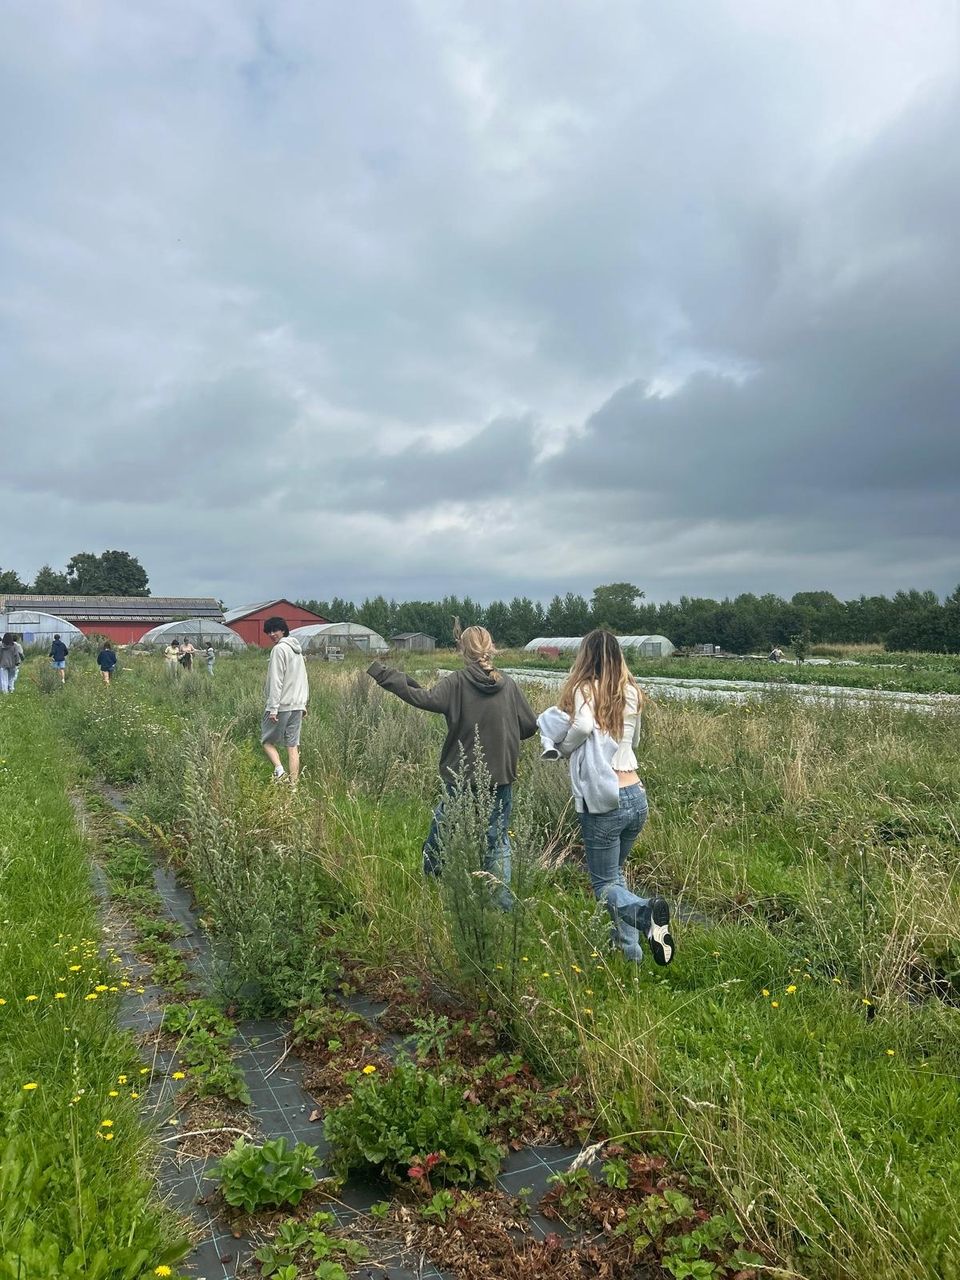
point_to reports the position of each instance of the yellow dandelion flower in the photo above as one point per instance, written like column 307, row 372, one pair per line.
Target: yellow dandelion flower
column 140, row 990
column 162, row 1270
column 369, row 1069
column 91, row 996
column 102, row 987
column 525, row 959
column 576, row 968
column 134, row 1094
column 791, row 989
column 891, row 1052
column 545, row 974
column 764, row 992
column 179, row 1075
column 75, row 968
column 144, row 1070
column 107, row 1137
column 594, row 954
column 106, row 1124
column 864, row 1000
column 75, row 1098
column 121, row 1079
column 60, row 995
column 114, row 1093
column 3, row 1002
column 588, row 1012
column 28, row 1087
column 29, row 998
column 774, row 1004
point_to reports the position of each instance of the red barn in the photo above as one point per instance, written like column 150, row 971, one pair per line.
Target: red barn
column 122, row 619
column 248, row 621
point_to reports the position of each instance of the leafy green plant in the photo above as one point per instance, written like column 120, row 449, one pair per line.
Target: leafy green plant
column 274, row 1174
column 433, row 1033
column 439, row 1206
column 389, row 1123
column 311, row 1239
column 574, row 1187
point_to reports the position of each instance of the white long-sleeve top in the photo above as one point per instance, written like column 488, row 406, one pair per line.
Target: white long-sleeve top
column 584, row 723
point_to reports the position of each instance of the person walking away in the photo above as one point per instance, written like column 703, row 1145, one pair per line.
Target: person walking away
column 171, row 655
column 58, row 656
column 286, row 695
column 486, row 714
column 211, row 656
column 11, row 655
column 106, row 661
column 602, row 702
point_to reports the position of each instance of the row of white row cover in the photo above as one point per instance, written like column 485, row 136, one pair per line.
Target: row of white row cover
column 645, row 646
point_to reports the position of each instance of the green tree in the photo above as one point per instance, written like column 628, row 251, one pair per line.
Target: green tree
column 615, row 606
column 567, row 616
column 11, row 582
column 113, row 573
column 50, row 583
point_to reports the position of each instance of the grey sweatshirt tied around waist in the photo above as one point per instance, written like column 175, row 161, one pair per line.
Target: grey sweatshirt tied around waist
column 595, row 785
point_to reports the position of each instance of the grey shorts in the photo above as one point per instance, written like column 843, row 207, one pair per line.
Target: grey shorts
column 284, row 731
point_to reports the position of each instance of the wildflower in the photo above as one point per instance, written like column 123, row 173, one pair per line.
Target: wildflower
column 576, row 968
column 114, row 1093
column 28, row 1087
column 416, row 1171
column 774, row 1004
column 144, row 1070
column 837, row 981
column 499, row 966
column 764, row 992
column 134, row 1094
column 588, row 1012
column 162, row 1270
column 791, row 989
column 716, row 954
column 106, row 1124
column 121, row 1079
column 864, row 1000
column 75, row 968
column 60, row 995
column 3, row 1002
column 525, row 958
column 179, row 1075
column 594, row 955
column 29, row 998
column 107, row 1137
column 75, row 1098
column 891, row 1052
column 91, row 996
column 369, row 1069
column 588, row 990
column 432, row 1159
column 102, row 987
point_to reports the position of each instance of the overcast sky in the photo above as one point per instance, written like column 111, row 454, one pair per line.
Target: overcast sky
column 418, row 296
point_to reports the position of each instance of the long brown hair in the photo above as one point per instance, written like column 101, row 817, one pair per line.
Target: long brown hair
column 601, row 673
column 476, row 645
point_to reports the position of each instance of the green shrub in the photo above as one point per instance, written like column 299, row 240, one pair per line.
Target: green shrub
column 266, row 1177
column 392, row 1124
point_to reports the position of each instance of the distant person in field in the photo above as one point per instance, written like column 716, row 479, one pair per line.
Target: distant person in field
column 58, row 656
column 11, row 655
column 597, row 727
column 286, row 695
column 186, row 655
column 211, row 657
column 775, row 655
column 486, row 713
column 171, row 655
column 107, row 661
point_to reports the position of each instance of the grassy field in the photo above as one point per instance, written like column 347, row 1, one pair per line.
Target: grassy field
column 801, row 1056
column 75, row 1198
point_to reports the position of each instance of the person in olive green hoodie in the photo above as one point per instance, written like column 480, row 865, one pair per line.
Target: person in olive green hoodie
column 486, row 714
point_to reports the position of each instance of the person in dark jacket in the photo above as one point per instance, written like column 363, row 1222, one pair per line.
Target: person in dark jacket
column 58, row 656
column 106, row 661
column 486, row 714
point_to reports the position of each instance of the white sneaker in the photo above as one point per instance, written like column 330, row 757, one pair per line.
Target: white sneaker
column 279, row 775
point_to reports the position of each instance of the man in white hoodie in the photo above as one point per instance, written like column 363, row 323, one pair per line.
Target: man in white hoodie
column 286, row 694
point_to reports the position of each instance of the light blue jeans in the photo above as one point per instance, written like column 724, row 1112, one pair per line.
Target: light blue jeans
column 608, row 839
column 499, row 856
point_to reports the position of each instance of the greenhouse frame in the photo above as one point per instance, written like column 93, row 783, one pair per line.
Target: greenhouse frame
column 199, row 631
column 39, row 628
column 319, row 637
column 642, row 646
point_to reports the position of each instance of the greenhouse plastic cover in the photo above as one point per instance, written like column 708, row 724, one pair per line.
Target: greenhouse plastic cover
column 37, row 627
column 196, row 630
column 565, row 643
column 353, row 634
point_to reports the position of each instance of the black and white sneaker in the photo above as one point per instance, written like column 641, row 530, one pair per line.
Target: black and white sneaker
column 658, row 931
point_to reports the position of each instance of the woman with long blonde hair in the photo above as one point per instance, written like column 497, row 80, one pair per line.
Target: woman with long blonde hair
column 486, row 716
column 601, row 696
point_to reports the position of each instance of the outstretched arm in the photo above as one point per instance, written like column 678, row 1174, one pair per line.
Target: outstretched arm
column 408, row 690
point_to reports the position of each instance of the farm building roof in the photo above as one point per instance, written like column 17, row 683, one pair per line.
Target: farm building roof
column 117, row 608
column 410, row 635
column 244, row 611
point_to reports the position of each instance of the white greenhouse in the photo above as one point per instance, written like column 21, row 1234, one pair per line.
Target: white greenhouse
column 642, row 646
column 322, row 637
column 199, row 631
column 39, row 628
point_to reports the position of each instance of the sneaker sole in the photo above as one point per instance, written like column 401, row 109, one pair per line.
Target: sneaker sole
column 659, row 936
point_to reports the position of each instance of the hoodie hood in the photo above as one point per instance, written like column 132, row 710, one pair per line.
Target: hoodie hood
column 482, row 680
column 293, row 643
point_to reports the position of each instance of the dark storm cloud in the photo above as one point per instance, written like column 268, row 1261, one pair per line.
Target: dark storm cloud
column 489, row 298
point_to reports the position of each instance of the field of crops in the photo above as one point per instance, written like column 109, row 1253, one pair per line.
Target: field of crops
column 793, row 1077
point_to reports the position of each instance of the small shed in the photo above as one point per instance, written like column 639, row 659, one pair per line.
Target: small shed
column 247, row 621
column 321, row 636
column 199, row 631
column 416, row 641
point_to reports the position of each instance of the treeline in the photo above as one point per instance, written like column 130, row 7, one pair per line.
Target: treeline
column 909, row 620
column 112, row 573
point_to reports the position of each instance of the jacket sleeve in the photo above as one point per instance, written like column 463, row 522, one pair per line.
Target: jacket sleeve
column 528, row 721
column 408, row 690
column 581, row 728
column 278, row 662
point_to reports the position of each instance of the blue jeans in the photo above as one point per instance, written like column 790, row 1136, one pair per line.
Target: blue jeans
column 608, row 839
column 499, row 855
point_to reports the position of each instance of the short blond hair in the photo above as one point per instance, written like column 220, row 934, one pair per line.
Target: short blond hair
column 476, row 645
